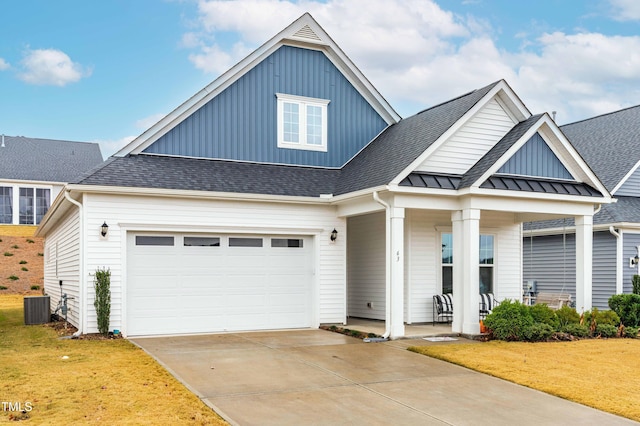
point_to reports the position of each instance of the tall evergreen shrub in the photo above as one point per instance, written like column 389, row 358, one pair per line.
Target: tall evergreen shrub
column 102, row 303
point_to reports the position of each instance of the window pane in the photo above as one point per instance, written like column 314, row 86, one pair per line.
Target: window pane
column 6, row 204
column 447, row 279
column 314, row 125
column 486, row 249
column 145, row 240
column 486, row 279
column 245, row 242
column 26, row 206
column 42, row 203
column 447, row 249
column 291, row 123
column 201, row 241
column 286, row 242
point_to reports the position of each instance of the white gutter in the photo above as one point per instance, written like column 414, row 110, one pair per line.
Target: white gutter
column 387, row 322
column 619, row 254
column 81, row 290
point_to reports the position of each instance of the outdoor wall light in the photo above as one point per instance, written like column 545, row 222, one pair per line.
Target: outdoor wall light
column 334, row 235
column 633, row 261
column 104, row 229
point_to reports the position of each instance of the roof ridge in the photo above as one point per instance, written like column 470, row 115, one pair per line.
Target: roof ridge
column 456, row 98
column 47, row 139
column 601, row 115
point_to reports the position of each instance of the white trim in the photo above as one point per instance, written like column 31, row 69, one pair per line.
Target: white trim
column 303, row 115
column 287, row 36
column 625, row 178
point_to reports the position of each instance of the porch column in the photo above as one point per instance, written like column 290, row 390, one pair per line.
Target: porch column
column 395, row 259
column 584, row 260
column 466, row 272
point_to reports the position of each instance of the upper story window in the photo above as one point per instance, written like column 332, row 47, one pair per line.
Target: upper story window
column 302, row 122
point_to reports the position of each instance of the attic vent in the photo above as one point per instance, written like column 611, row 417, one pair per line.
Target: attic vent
column 307, row 32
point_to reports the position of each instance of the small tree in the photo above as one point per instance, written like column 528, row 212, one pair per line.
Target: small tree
column 636, row 284
column 102, row 303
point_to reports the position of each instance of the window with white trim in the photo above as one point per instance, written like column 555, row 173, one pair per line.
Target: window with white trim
column 485, row 262
column 302, row 122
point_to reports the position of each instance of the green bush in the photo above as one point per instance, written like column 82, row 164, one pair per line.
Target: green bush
column 576, row 330
column 631, row 332
column 8, row 253
column 636, row 284
column 509, row 320
column 102, row 303
column 567, row 315
column 35, row 287
column 627, row 306
column 606, row 330
column 545, row 315
column 23, row 262
column 30, row 241
column 25, row 269
column 538, row 332
column 14, row 246
column 13, row 278
column 3, row 287
column 608, row 317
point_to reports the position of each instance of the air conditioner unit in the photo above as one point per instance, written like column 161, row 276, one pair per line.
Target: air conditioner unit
column 36, row 310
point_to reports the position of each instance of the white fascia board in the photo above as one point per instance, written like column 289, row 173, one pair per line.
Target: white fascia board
column 59, row 207
column 31, row 182
column 507, row 97
column 624, row 179
column 284, row 37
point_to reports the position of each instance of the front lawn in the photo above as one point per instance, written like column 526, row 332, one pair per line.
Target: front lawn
column 600, row 373
column 86, row 381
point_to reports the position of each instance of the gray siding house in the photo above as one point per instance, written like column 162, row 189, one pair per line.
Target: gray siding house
column 610, row 144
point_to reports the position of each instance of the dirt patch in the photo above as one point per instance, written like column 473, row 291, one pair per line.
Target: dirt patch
column 21, row 265
column 348, row 332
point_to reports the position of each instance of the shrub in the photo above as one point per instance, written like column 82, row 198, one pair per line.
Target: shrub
column 24, row 269
column 30, row 241
column 538, row 332
column 8, row 254
column 3, row 287
column 509, row 320
column 102, row 303
column 636, row 284
column 608, row 317
column 23, row 262
column 631, row 332
column 627, row 306
column 544, row 315
column 576, row 330
column 35, row 287
column 14, row 246
column 13, row 278
column 567, row 315
column 606, row 330
column 40, row 254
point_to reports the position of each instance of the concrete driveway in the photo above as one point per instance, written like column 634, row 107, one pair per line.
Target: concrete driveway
column 315, row 377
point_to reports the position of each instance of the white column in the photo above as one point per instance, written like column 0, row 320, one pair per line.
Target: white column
column 466, row 272
column 395, row 222
column 584, row 261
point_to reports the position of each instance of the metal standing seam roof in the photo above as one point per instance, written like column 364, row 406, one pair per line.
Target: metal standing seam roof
column 23, row 158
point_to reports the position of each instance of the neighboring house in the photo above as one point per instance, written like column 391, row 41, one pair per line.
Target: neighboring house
column 34, row 171
column 610, row 144
column 288, row 193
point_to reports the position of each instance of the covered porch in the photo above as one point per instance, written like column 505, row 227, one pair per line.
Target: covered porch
column 405, row 247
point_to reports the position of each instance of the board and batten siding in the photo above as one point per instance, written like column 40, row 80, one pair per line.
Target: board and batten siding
column 535, row 158
column 366, row 271
column 240, row 123
column 62, row 262
column 202, row 216
column 424, row 252
column 470, row 143
column 553, row 266
column 631, row 187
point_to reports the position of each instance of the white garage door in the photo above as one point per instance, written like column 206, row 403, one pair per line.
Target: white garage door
column 206, row 283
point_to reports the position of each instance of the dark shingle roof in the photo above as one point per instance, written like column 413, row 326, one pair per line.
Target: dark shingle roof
column 47, row 160
column 609, row 143
column 146, row 171
column 400, row 144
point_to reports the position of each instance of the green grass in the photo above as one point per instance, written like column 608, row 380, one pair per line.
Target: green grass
column 87, row 381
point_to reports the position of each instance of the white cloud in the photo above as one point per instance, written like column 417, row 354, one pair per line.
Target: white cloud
column 50, row 67
column 4, row 65
column 146, row 122
column 110, row 147
column 418, row 54
column 625, row 10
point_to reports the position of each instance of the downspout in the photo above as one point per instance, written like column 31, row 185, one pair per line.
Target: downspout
column 387, row 322
column 81, row 289
column 619, row 258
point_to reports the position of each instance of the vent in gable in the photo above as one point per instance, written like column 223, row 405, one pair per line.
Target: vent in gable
column 307, row 32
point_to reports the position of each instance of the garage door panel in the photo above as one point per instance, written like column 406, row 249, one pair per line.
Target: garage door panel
column 192, row 289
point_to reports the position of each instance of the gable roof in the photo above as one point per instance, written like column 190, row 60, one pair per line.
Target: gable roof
column 46, row 160
column 303, row 32
column 609, row 143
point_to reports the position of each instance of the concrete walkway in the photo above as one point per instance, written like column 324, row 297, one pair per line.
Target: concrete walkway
column 315, row 377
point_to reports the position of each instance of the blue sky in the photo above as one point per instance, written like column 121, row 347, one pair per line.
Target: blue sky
column 104, row 71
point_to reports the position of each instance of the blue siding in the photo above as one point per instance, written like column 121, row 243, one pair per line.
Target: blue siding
column 535, row 158
column 629, row 244
column 631, row 187
column 240, row 123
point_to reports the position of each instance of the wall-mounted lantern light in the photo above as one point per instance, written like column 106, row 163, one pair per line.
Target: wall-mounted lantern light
column 104, row 229
column 334, row 235
column 633, row 261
